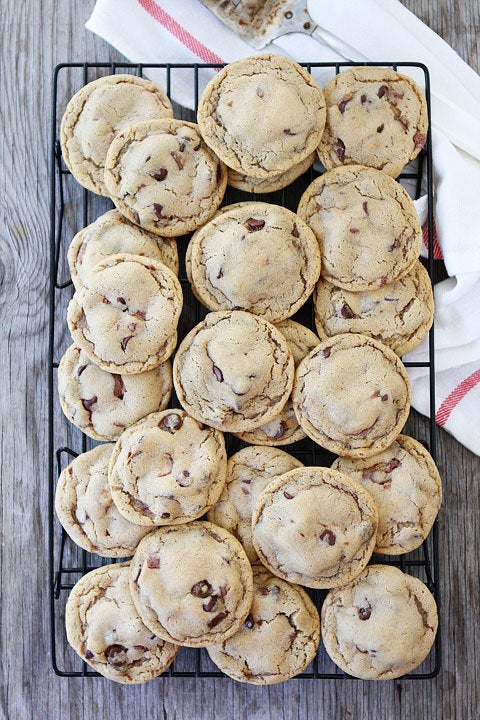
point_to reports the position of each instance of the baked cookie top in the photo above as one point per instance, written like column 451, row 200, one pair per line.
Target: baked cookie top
column 381, row 625
column 233, row 371
column 103, row 404
column 352, row 395
column 96, row 113
column 279, row 638
column 113, row 234
column 162, row 176
column 406, row 487
column 167, row 469
column 238, row 258
column 192, row 583
column 262, row 115
column 104, row 628
column 125, row 316
column 399, row 314
column 84, row 505
column 315, row 527
column 270, row 184
column 249, row 471
column 375, row 117
column 366, row 225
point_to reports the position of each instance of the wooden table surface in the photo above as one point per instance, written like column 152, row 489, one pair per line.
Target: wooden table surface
column 34, row 39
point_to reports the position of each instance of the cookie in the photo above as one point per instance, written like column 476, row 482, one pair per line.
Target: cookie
column 237, row 258
column 84, row 505
column 406, row 487
column 270, row 184
column 162, row 176
column 366, row 225
column 284, row 429
column 315, row 527
column 104, row 628
column 103, row 404
column 352, row 395
column 191, row 584
column 112, row 234
column 96, row 113
column 125, row 316
column 233, row 371
column 262, row 115
column 249, row 471
column 399, row 315
column 375, row 117
column 167, row 469
column 381, row 625
column 279, row 638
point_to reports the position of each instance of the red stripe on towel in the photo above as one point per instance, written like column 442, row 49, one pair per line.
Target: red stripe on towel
column 437, row 251
column 179, row 32
column 452, row 400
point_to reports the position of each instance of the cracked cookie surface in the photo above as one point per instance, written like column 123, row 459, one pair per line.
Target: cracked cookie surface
column 406, row 487
column 97, row 113
column 399, row 315
column 103, row 404
column 279, row 638
column 352, row 395
column 85, row 508
column 233, row 371
column 262, row 115
column 167, row 469
column 125, row 316
column 113, row 234
column 162, row 176
column 236, row 261
column 249, row 471
column 315, row 527
column 366, row 225
column 381, row 625
column 284, row 428
column 240, row 181
column 104, row 628
column 375, row 117
column 192, row 583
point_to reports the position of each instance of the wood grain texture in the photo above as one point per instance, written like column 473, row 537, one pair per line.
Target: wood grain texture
column 34, row 40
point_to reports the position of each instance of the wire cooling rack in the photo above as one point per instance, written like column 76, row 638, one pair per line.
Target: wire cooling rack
column 71, row 209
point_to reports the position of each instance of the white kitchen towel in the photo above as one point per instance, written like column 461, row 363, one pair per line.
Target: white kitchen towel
column 184, row 31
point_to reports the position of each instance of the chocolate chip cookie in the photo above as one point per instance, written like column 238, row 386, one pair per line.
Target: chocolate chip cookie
column 112, row 234
column 406, row 487
column 366, row 225
column 192, row 584
column 262, row 115
column 237, row 258
column 279, row 638
column 233, row 371
column 162, row 176
column 375, row 117
column 352, row 395
column 381, row 625
column 103, row 404
column 249, row 471
column 259, row 186
column 125, row 316
column 104, row 628
column 96, row 113
column 85, row 508
column 315, row 527
column 167, row 469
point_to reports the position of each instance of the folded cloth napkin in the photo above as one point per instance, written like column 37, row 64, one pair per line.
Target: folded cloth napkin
column 184, row 31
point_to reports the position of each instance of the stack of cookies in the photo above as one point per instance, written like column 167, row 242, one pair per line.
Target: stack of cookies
column 232, row 583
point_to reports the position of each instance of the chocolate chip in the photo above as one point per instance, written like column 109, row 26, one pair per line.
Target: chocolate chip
column 88, row 654
column 218, row 373
column 177, row 160
column 224, row 590
column 363, row 99
column 347, row 312
column 326, row 352
column 398, row 95
column 211, row 604
column 260, row 92
column 249, row 622
column 132, row 456
column 115, row 654
column 121, row 300
column 364, row 613
column 329, row 536
column 165, row 515
column 380, row 128
column 354, row 231
column 287, row 131
column 153, row 562
column 391, row 465
column 119, row 387
column 245, row 491
column 125, row 342
column 281, row 430
column 106, row 301
column 201, row 589
column 141, row 314
column 157, row 209
column 148, row 158
column 253, row 224
column 160, row 174
column 220, row 274
column 217, row 619
column 339, row 148
column 80, row 370
column 88, row 404
column 419, row 139
column 171, row 422
column 384, row 398
column 136, row 217
column 287, row 495
column 382, row 90
column 295, row 232
column 365, row 207
column 182, row 146
column 342, row 104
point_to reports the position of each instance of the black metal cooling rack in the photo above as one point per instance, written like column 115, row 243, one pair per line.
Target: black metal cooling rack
column 72, row 208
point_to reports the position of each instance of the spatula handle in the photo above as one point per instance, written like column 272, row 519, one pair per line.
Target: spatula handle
column 334, row 42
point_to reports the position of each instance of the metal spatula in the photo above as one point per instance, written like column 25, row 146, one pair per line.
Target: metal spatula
column 259, row 22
